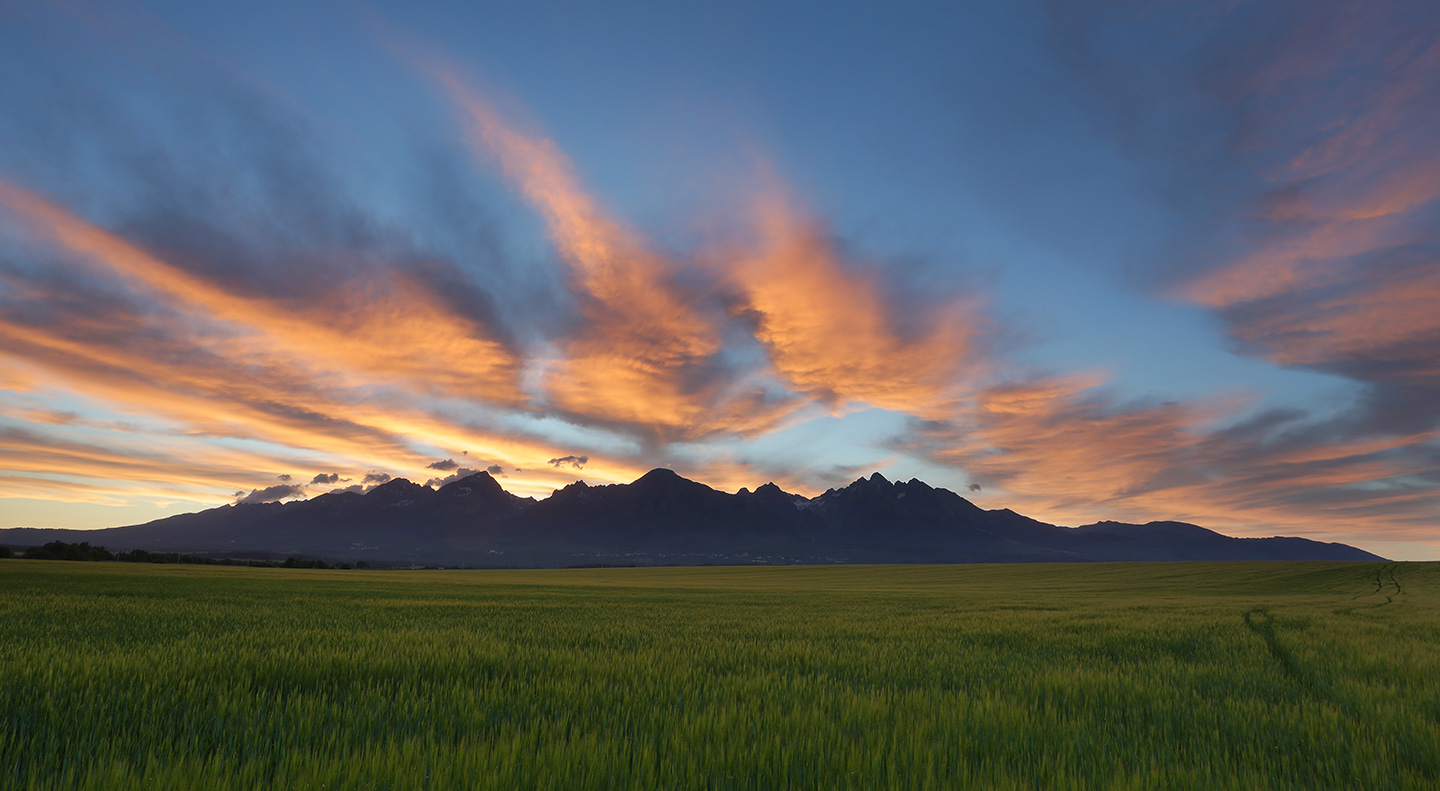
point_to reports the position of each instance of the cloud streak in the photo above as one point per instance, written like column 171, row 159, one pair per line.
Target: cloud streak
column 1307, row 155
column 649, row 354
column 830, row 332
column 1345, row 270
column 384, row 325
column 248, row 329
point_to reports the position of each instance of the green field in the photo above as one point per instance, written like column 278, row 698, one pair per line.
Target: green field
column 1145, row 676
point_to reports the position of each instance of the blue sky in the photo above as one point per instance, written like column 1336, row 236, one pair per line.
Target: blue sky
column 1101, row 260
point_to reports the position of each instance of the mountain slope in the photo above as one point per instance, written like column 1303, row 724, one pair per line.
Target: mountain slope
column 662, row 518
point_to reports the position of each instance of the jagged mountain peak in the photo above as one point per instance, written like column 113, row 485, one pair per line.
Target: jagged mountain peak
column 864, row 483
column 481, row 481
column 397, row 487
column 480, row 486
column 875, row 482
column 769, row 495
column 665, row 518
column 667, row 483
column 665, row 479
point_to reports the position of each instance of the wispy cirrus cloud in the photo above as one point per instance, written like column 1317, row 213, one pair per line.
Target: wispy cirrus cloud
column 385, row 323
column 104, row 467
column 832, row 334
column 648, row 354
column 1311, row 145
column 1070, row 451
column 260, row 315
column 1343, row 272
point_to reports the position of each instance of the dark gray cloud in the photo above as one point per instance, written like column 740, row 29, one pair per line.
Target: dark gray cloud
column 325, row 478
column 974, row 487
column 462, row 472
column 284, row 476
column 444, row 466
column 376, row 478
column 271, row 494
column 578, row 462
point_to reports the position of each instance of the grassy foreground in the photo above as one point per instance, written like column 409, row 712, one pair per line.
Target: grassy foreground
column 1199, row 675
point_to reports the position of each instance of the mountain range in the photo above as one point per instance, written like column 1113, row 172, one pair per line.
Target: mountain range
column 664, row 519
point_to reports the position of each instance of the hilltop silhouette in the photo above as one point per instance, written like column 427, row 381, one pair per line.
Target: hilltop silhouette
column 664, row 519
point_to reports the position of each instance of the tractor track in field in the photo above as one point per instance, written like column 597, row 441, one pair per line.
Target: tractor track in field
column 1384, row 577
column 1262, row 623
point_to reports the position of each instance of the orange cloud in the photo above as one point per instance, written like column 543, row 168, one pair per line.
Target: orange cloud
column 169, row 468
column 381, row 370
column 1378, row 320
column 224, row 402
column 830, row 332
column 382, row 325
column 1060, row 450
column 1340, row 268
column 343, row 377
column 645, row 352
column 648, row 353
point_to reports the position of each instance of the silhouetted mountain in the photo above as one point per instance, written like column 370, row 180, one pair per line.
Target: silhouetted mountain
column 663, row 518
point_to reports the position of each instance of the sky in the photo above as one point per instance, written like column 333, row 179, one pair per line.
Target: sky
column 1083, row 260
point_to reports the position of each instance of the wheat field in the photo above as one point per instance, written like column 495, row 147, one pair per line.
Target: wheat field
column 1143, row 676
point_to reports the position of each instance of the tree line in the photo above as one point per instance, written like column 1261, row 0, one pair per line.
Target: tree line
column 60, row 550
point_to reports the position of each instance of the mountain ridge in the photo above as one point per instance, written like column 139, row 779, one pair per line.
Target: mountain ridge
column 663, row 518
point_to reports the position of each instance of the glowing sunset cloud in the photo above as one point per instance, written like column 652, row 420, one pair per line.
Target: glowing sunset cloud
column 302, row 376
column 1347, row 266
column 639, row 357
column 831, row 334
column 384, row 326
column 1198, row 281
column 30, row 453
column 1062, row 451
column 645, row 335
